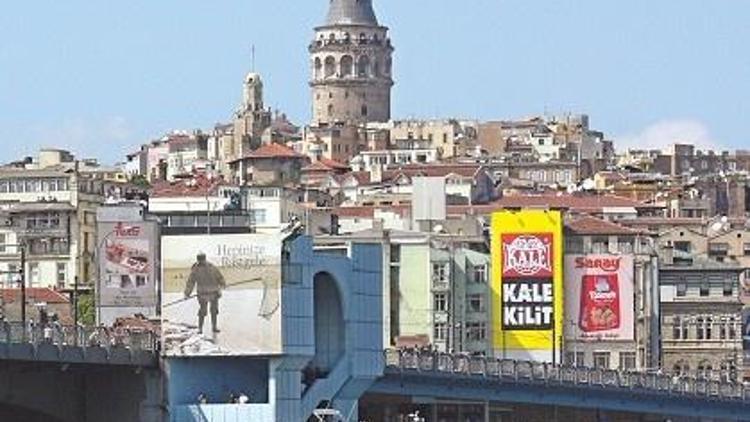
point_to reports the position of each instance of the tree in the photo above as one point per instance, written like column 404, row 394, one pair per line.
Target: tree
column 140, row 181
column 86, row 309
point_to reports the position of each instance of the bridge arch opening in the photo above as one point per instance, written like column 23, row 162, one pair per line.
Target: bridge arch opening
column 329, row 323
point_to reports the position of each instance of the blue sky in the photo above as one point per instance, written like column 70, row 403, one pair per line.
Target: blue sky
column 102, row 76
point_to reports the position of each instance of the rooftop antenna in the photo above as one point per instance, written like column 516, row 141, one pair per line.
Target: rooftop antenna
column 252, row 55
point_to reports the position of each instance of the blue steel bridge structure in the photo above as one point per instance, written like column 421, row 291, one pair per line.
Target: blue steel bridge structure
column 332, row 308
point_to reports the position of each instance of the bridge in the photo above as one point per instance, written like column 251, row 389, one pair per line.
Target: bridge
column 475, row 378
column 78, row 345
column 77, row 374
column 39, row 363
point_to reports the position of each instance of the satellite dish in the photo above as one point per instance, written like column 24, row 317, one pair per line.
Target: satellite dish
column 571, row 188
column 716, row 226
column 589, row 184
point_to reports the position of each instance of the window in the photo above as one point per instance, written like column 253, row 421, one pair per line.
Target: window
column 746, row 249
column 441, row 332
column 476, row 303
column 476, row 331
column 683, row 246
column 440, row 273
column 441, row 302
column 704, row 368
column 600, row 244
column 258, row 216
column 627, row 361
column 677, row 328
column 12, row 276
column 718, row 249
column 705, row 290
column 480, row 274
column 62, row 273
column 33, row 274
column 709, row 327
column 681, row 368
column 3, row 241
column 728, row 289
column 574, row 358
column 700, row 327
column 601, row 360
column 681, row 290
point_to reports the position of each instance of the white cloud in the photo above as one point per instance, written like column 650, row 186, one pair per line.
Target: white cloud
column 667, row 132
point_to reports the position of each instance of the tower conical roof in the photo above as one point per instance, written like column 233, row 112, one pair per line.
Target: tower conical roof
column 351, row 12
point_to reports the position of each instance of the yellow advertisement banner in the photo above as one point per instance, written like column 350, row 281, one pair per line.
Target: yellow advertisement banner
column 527, row 283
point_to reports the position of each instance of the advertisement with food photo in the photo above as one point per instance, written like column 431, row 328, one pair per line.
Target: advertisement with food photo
column 127, row 264
column 600, row 296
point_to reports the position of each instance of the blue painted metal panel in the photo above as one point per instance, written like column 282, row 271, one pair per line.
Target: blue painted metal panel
column 217, row 378
column 222, row 412
column 480, row 389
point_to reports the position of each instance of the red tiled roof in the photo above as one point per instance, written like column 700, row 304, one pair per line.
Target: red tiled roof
column 325, row 164
column 414, row 170
column 576, row 203
column 272, row 150
column 362, row 177
column 333, row 164
column 432, row 170
column 34, row 295
column 587, row 225
column 199, row 186
column 580, row 203
column 369, row 211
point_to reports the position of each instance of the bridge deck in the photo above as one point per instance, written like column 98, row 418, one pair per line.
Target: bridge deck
column 479, row 378
column 78, row 345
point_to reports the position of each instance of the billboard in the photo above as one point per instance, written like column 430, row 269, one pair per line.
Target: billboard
column 599, row 299
column 527, row 285
column 221, row 295
column 127, row 264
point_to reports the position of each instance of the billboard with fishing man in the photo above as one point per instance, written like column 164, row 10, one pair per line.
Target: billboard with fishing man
column 221, row 295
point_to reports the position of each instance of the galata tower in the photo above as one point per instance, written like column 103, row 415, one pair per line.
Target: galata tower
column 351, row 66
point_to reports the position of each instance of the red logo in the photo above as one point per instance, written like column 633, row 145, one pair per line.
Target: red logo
column 527, row 255
column 121, row 230
column 610, row 265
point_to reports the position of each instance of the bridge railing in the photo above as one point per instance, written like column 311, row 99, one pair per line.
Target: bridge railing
column 78, row 336
column 430, row 362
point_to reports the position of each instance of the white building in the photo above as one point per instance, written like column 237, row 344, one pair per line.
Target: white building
column 369, row 160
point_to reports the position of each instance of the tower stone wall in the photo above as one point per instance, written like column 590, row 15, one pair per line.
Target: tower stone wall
column 351, row 66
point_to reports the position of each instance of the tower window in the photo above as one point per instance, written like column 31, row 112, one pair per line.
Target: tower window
column 364, row 110
column 330, row 66
column 363, row 66
column 347, row 66
column 330, row 110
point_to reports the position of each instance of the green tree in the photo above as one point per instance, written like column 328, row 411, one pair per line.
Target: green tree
column 86, row 309
column 140, row 181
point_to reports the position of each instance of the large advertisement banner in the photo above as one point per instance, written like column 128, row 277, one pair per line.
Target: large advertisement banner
column 600, row 297
column 127, row 264
column 221, row 295
column 527, row 284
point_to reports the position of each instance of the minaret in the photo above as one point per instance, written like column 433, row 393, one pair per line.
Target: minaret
column 351, row 66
